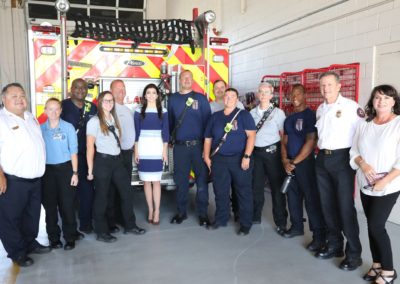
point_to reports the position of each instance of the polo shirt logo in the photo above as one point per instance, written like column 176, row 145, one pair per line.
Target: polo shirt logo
column 195, row 104
column 234, row 125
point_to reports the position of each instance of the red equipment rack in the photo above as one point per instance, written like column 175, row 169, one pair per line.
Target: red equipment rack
column 348, row 74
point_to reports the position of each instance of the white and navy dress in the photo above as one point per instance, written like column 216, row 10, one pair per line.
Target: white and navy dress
column 151, row 133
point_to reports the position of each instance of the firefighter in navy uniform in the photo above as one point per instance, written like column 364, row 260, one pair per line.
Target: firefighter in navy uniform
column 77, row 111
column 188, row 114
column 298, row 144
column 337, row 119
column 230, row 134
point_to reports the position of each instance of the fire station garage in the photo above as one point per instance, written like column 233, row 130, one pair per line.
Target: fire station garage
column 269, row 48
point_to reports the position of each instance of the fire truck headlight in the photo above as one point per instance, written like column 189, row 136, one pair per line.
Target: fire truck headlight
column 62, row 6
column 209, row 16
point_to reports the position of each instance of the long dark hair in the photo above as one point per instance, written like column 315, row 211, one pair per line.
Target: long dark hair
column 158, row 101
column 102, row 118
column 386, row 90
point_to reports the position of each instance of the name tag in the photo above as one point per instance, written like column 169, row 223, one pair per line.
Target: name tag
column 58, row 136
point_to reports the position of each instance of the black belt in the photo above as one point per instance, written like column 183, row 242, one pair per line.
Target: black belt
column 269, row 149
column 107, row 156
column 11, row 177
column 59, row 165
column 332, row 152
column 188, row 143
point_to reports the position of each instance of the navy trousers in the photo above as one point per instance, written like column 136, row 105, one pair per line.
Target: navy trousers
column 227, row 172
column 304, row 187
column 335, row 179
column 109, row 170
column 85, row 193
column 185, row 159
column 19, row 215
column 58, row 197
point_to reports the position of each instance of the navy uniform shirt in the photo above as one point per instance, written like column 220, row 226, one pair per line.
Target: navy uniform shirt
column 79, row 119
column 236, row 139
column 195, row 119
column 296, row 127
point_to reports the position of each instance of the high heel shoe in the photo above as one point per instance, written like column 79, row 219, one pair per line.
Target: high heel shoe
column 368, row 277
column 158, row 219
column 388, row 279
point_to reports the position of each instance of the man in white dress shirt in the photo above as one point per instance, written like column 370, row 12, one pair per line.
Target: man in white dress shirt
column 22, row 164
column 337, row 119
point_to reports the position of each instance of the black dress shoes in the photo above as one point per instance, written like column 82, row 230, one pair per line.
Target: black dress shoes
column 23, row 261
column 292, row 233
column 106, row 237
column 87, row 229
column 40, row 249
column 135, row 230
column 203, row 221
column 56, row 244
column 79, row 236
column 350, row 263
column 315, row 245
column 243, row 231
column 280, row 230
column 69, row 245
column 178, row 219
column 328, row 252
column 114, row 229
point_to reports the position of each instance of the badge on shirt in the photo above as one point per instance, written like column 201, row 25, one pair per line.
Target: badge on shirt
column 338, row 113
column 234, row 125
column 15, row 127
column 299, row 124
column 360, row 112
column 195, row 104
column 58, row 136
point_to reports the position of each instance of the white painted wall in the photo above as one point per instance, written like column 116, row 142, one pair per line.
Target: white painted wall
column 156, row 9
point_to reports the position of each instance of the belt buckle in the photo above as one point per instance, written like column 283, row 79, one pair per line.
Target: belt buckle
column 271, row 149
column 327, row 152
column 188, row 143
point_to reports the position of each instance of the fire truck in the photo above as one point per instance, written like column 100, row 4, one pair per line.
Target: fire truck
column 139, row 53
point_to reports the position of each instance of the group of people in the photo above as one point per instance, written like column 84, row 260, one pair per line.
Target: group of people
column 88, row 147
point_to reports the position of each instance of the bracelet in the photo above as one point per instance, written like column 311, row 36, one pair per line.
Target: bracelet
column 75, row 173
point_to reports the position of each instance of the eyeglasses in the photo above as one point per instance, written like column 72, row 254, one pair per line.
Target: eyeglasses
column 108, row 101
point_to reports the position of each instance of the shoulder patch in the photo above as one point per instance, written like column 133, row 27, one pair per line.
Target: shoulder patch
column 360, row 112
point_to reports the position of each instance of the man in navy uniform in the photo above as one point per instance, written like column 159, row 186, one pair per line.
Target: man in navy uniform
column 298, row 144
column 188, row 114
column 229, row 162
column 337, row 119
column 22, row 164
column 77, row 111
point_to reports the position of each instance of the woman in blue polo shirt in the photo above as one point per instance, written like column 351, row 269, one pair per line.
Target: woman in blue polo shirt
column 230, row 162
column 61, row 176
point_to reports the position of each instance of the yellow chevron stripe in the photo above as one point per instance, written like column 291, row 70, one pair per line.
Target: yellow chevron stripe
column 117, row 66
column 197, row 53
column 219, row 67
column 152, row 70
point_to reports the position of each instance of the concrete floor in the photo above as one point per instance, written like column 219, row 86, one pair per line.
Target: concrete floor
column 188, row 253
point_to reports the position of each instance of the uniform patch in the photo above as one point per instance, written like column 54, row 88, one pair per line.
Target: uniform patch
column 299, row 124
column 338, row 113
column 360, row 112
column 195, row 104
column 234, row 125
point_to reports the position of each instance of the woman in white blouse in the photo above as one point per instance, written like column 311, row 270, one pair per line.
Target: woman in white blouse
column 375, row 155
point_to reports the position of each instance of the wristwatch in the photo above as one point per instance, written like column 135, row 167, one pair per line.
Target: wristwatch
column 246, row 156
column 75, row 173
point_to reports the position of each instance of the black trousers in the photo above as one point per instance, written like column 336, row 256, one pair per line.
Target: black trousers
column 114, row 213
column 227, row 172
column 186, row 158
column 335, row 180
column 85, row 193
column 19, row 215
column 58, row 197
column 269, row 165
column 377, row 210
column 107, row 170
column 303, row 187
